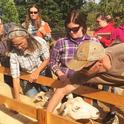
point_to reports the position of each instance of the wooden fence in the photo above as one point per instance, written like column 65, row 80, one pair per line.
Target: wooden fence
column 44, row 117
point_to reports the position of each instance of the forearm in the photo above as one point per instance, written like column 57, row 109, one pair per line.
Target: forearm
column 16, row 87
column 55, row 100
column 58, row 96
column 105, row 41
column 42, row 66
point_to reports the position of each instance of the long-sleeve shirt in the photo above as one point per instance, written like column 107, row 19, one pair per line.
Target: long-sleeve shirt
column 105, row 40
column 64, row 51
column 118, row 34
column 29, row 62
column 114, row 76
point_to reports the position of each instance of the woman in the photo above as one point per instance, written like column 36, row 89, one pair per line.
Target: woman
column 105, row 29
column 35, row 24
column 65, row 48
column 25, row 54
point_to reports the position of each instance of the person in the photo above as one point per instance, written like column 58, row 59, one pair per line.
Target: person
column 118, row 33
column 35, row 24
column 93, row 64
column 26, row 52
column 4, row 55
column 103, row 33
column 64, row 49
column 106, row 26
column 3, row 42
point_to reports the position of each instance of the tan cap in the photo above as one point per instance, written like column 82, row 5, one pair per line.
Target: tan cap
column 87, row 52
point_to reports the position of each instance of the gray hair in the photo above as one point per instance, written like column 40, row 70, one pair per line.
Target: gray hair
column 17, row 31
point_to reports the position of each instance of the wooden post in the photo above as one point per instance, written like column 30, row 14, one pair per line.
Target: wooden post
column 1, row 77
column 41, row 116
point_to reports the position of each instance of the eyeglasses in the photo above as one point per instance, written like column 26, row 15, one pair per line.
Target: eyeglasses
column 35, row 12
column 74, row 30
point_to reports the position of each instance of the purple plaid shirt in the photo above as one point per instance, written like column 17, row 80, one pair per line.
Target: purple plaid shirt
column 64, row 51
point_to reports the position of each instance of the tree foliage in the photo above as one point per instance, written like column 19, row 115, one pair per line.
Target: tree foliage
column 90, row 8
column 9, row 11
column 112, row 7
column 55, row 11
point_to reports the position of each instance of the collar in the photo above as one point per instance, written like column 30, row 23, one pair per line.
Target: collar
column 79, row 40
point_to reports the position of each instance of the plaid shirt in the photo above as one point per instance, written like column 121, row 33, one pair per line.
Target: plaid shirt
column 29, row 62
column 3, row 46
column 32, row 29
column 64, row 51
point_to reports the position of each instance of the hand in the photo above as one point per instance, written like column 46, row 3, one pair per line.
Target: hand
column 63, row 78
column 99, row 37
column 33, row 77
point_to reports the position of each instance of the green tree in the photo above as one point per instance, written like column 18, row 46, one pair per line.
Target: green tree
column 9, row 11
column 112, row 7
column 90, row 8
column 21, row 12
column 55, row 11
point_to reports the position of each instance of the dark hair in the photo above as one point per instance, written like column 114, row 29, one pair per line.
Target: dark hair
column 77, row 17
column 102, row 16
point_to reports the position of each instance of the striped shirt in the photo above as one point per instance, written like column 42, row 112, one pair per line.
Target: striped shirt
column 64, row 51
column 29, row 62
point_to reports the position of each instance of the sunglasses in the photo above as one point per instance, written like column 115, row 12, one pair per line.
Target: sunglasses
column 35, row 12
column 98, row 21
column 74, row 30
column 17, row 33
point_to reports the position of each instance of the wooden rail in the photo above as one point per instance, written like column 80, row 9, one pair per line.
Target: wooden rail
column 47, row 118
column 100, row 95
column 40, row 115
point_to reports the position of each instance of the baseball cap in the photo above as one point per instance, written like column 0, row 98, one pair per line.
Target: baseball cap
column 88, row 52
column 17, row 31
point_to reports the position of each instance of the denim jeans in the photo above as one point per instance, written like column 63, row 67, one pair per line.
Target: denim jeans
column 31, row 89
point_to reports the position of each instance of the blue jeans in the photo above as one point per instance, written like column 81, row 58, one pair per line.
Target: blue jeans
column 31, row 89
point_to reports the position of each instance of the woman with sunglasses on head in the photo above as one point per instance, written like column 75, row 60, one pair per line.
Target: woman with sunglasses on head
column 65, row 48
column 35, row 24
column 106, row 26
column 26, row 52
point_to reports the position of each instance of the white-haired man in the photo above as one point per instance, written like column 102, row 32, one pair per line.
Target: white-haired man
column 94, row 64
